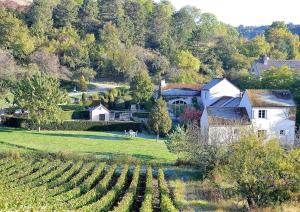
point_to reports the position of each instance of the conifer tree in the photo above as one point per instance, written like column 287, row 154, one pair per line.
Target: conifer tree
column 159, row 119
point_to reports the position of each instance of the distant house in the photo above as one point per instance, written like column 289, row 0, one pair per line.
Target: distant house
column 99, row 113
column 265, row 63
column 272, row 114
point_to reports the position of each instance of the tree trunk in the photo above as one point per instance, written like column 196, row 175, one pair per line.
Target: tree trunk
column 39, row 128
column 157, row 137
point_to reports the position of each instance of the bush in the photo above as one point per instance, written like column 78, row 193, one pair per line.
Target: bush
column 119, row 104
column 74, row 125
column 75, row 115
column 263, row 173
column 141, row 115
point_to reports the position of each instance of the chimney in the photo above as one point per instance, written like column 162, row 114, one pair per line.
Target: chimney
column 265, row 59
column 163, row 83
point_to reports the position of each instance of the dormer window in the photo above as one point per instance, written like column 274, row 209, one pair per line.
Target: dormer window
column 262, row 114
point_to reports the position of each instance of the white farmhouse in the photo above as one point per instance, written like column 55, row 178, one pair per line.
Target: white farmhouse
column 272, row 113
column 218, row 88
column 99, row 113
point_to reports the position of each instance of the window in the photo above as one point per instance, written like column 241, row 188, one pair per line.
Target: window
column 282, row 132
column 262, row 114
column 179, row 102
column 102, row 117
column 262, row 133
column 236, row 131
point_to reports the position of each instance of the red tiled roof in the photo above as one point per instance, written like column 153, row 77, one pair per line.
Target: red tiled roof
column 195, row 87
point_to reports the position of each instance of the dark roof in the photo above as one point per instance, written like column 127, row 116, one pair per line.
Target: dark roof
column 212, row 83
column 270, row 98
column 261, row 66
column 227, row 101
column 228, row 116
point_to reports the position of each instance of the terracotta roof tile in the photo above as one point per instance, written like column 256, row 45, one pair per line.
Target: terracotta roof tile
column 270, row 98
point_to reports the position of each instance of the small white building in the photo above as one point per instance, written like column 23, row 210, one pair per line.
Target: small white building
column 216, row 89
column 99, row 113
column 272, row 114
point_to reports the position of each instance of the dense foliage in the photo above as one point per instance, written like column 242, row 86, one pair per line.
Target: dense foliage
column 263, row 174
column 159, row 118
column 40, row 95
column 120, row 39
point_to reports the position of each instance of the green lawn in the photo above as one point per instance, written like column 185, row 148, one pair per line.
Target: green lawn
column 108, row 145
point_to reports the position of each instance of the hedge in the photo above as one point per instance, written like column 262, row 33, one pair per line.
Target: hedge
column 75, row 115
column 142, row 115
column 79, row 125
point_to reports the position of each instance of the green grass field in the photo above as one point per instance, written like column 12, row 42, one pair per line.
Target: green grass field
column 108, row 145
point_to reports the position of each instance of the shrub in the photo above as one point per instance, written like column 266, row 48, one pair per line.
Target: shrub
column 141, row 115
column 263, row 173
column 119, row 104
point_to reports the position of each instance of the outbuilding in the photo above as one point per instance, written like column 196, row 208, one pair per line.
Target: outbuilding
column 99, row 113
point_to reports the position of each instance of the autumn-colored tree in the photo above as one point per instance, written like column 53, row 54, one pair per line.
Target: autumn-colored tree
column 190, row 115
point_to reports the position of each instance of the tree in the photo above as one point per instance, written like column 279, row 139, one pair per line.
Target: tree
column 40, row 95
column 111, row 11
column 159, row 24
column 159, row 119
column 192, row 147
column 190, row 115
column 188, row 66
column 83, row 83
column 278, row 78
column 40, row 16
column 14, row 35
column 135, row 16
column 65, row 13
column 284, row 45
column 49, row 64
column 141, row 87
column 263, row 173
column 89, row 14
column 183, row 23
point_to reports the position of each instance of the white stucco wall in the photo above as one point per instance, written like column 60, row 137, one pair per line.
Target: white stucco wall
column 277, row 119
column 95, row 114
column 223, row 88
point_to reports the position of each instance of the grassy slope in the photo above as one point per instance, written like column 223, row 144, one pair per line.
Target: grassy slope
column 144, row 148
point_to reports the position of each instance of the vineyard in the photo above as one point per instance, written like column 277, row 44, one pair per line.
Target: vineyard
column 48, row 184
